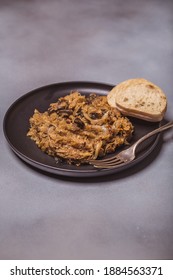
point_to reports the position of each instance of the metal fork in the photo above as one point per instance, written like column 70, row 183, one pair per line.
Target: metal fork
column 128, row 154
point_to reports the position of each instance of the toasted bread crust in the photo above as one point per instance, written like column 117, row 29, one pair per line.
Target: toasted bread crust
column 140, row 116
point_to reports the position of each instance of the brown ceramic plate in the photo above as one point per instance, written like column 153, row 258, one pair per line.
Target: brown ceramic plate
column 16, row 124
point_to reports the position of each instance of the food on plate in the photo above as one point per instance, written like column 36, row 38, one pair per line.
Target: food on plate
column 139, row 98
column 79, row 128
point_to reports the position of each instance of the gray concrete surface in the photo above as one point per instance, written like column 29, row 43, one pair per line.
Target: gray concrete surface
column 123, row 216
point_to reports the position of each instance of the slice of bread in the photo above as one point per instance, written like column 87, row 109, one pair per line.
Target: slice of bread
column 139, row 98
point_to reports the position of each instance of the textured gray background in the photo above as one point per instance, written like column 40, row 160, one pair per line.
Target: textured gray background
column 123, row 216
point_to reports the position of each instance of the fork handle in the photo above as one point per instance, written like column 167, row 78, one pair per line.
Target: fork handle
column 158, row 130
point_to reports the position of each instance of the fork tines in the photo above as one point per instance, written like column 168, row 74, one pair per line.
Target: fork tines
column 107, row 163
